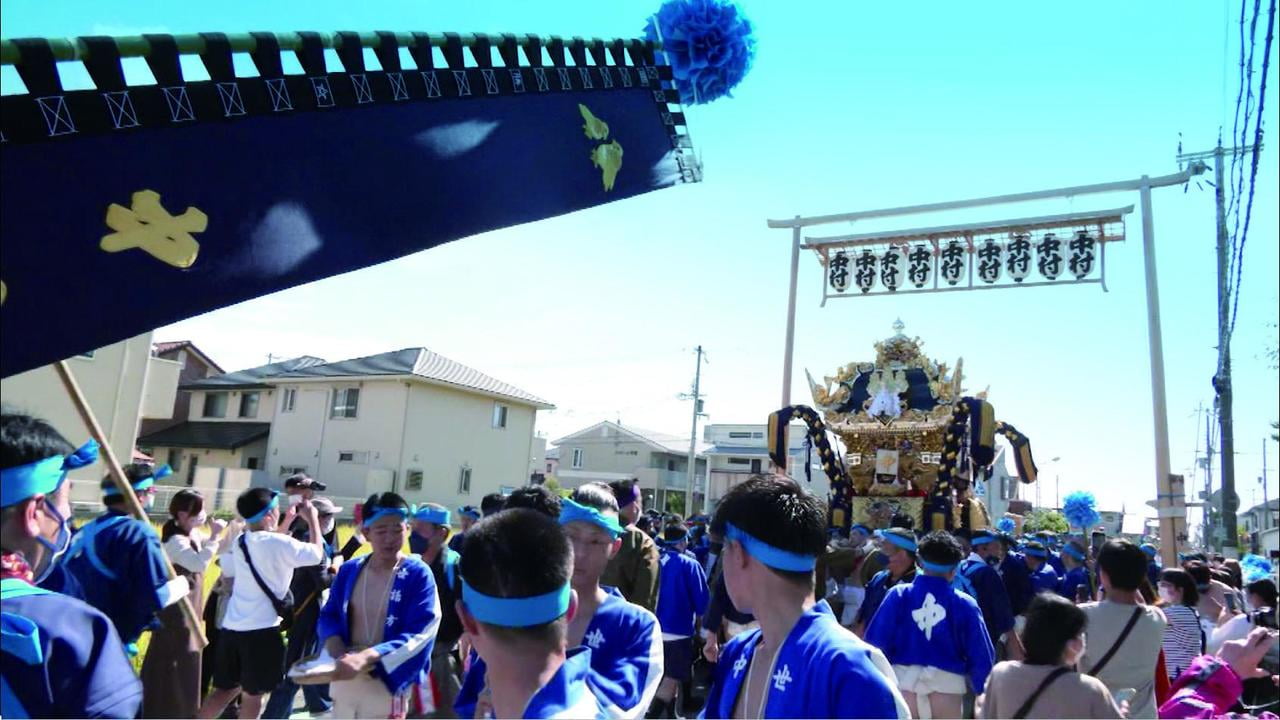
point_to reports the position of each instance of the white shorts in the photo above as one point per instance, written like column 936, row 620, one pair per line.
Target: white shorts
column 923, row 680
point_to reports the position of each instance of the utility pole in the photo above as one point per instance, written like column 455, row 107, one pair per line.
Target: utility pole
column 691, row 472
column 1222, row 378
column 1266, row 519
column 1208, row 482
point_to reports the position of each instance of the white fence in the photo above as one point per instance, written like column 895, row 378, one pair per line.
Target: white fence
column 219, row 486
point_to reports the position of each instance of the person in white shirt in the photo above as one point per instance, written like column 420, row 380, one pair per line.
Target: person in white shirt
column 250, row 657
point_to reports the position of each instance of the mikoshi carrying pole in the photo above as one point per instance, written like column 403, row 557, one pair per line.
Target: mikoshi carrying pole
column 116, row 473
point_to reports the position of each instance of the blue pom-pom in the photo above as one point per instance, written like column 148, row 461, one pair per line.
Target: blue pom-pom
column 1254, row 568
column 709, row 44
column 1079, row 508
column 1005, row 525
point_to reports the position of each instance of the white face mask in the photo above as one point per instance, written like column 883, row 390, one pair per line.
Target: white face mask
column 1169, row 595
column 327, row 526
column 294, row 500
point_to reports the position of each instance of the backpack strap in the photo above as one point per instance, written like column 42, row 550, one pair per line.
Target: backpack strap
column 1133, row 620
column 1031, row 701
column 276, row 602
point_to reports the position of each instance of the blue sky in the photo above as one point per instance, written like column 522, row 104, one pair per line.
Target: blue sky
column 850, row 106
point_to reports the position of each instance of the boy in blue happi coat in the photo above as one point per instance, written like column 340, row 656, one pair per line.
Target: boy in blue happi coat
column 978, row 578
column 516, row 606
column 59, row 657
column 800, row 663
column 898, row 546
column 933, row 634
column 624, row 638
column 1076, row 584
column 381, row 618
column 116, row 564
column 1013, row 571
column 682, row 596
column 1054, row 558
column 1043, row 577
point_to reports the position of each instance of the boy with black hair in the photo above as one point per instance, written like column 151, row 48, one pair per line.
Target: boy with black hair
column 116, row 564
column 1043, row 578
column 492, row 503
column 1123, row 636
column 898, row 546
column 1013, row 571
column 60, row 656
column 250, row 655
column 933, row 634
column 468, row 515
column 381, row 618
column 1074, row 559
column 634, row 569
column 430, row 530
column 516, row 606
column 800, row 662
column 1054, row 558
column 978, row 577
column 682, row 596
column 534, row 497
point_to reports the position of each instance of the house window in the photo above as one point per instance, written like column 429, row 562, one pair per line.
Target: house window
column 464, row 481
column 215, row 405
column 191, row 470
column 499, row 415
column 413, row 480
column 739, row 435
column 755, row 465
column 251, row 463
column 578, row 457
column 358, row 457
column 287, row 470
column 288, row 399
column 249, row 405
column 739, row 461
column 671, row 466
column 175, row 459
column 345, row 403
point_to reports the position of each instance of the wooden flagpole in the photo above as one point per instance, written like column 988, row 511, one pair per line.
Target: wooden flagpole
column 116, row 472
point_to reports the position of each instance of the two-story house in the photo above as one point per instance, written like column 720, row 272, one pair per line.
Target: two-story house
column 123, row 384
column 610, row 451
column 1261, row 523
column 411, row 421
column 224, row 434
column 737, row 452
column 196, row 365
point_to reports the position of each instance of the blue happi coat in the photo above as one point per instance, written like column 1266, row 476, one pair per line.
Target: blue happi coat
column 413, row 616
column 821, row 671
column 876, row 590
column 1055, row 561
column 60, row 657
column 626, row 660
column 1074, row 578
column 930, row 623
column 981, row 582
column 1044, row 580
column 682, row 593
column 566, row 694
column 1017, row 582
column 116, row 564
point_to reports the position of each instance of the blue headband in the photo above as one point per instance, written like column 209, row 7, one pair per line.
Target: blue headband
column 983, row 539
column 571, row 511
column 145, row 483
column 516, row 612
column 859, row 526
column 275, row 501
column 1035, row 552
column 905, row 543
column 43, row 477
column 383, row 512
column 1073, row 552
column 434, row 515
column 776, row 558
column 1149, row 549
column 468, row 511
column 936, row 567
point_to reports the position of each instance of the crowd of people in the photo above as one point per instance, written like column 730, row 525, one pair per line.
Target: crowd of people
column 586, row 606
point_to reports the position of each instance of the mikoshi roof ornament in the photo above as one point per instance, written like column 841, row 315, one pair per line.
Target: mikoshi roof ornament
column 915, row 444
column 710, row 45
column 130, row 206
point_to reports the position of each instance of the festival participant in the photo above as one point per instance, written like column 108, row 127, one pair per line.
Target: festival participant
column 898, row 546
column 800, row 662
column 428, row 540
column 381, row 618
column 59, row 656
column 1043, row 578
column 979, row 578
column 682, row 596
column 722, row 621
column 1013, row 571
column 634, row 568
column 250, row 656
column 1212, row 686
column 933, row 634
column 1213, row 594
column 1054, row 558
column 535, row 497
column 117, row 563
column 307, row 587
column 516, row 606
column 1184, row 639
column 1123, row 637
column 171, row 671
column 1077, row 575
column 467, row 516
column 1045, row 684
column 1153, row 564
column 492, row 503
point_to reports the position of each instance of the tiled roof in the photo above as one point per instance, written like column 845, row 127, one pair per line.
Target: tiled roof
column 161, row 348
column 253, row 377
column 422, row 363
column 662, row 441
column 220, row 435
